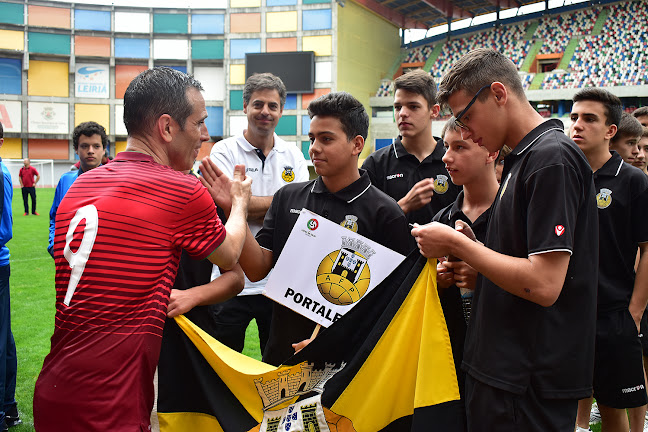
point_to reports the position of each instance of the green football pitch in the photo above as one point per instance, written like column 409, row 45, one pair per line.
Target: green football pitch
column 32, row 299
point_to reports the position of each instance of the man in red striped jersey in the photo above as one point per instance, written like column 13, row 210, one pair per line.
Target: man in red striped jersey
column 119, row 233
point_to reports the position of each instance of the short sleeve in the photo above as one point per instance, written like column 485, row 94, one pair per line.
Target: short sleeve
column 370, row 166
column 199, row 229
column 398, row 236
column 223, row 158
column 554, row 195
column 302, row 168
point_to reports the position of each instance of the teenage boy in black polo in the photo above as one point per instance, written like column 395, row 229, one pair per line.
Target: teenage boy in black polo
column 472, row 167
column 341, row 193
column 530, row 340
column 622, row 201
column 411, row 170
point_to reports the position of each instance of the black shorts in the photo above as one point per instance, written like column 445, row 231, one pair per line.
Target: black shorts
column 618, row 362
column 644, row 333
column 492, row 409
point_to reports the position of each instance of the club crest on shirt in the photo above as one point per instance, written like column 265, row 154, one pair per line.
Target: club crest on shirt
column 441, row 184
column 604, row 198
column 350, row 222
column 288, row 174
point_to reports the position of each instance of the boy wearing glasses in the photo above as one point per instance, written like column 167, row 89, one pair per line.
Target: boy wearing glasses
column 622, row 201
column 411, row 170
column 530, row 340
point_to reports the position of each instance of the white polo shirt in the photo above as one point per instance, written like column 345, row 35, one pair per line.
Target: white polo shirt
column 284, row 164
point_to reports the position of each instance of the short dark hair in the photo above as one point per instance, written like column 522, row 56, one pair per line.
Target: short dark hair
column 644, row 132
column 156, row 92
column 639, row 112
column 88, row 129
column 479, row 68
column 628, row 127
column 450, row 125
column 418, row 82
column 1, row 131
column 612, row 104
column 345, row 108
column 264, row 81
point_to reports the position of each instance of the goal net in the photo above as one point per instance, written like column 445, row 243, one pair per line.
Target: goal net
column 45, row 168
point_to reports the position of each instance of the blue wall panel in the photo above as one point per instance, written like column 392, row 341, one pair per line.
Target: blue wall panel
column 281, row 2
column 239, row 47
column 383, row 142
column 305, row 124
column 291, row 102
column 214, row 121
column 10, row 76
column 208, row 24
column 317, row 19
column 132, row 48
column 91, row 20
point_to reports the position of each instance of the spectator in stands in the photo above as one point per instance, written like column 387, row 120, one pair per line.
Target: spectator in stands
column 89, row 140
column 8, row 364
column 411, row 170
column 622, row 201
column 28, row 177
column 641, row 114
column 536, row 300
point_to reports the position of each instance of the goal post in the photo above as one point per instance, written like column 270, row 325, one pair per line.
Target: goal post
column 45, row 168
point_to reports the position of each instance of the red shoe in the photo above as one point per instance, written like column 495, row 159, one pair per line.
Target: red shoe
column 26, row 214
column 35, row 214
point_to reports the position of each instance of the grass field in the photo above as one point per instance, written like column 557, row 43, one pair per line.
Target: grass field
column 32, row 299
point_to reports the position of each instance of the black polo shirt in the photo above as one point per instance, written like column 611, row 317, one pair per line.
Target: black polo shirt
column 453, row 213
column 451, row 297
column 622, row 200
column 545, row 204
column 376, row 216
column 395, row 171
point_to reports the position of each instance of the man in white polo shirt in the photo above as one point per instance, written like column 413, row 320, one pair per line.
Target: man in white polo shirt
column 271, row 163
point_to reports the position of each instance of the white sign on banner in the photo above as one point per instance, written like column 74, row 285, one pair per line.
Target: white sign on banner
column 91, row 80
column 47, row 117
column 325, row 269
column 11, row 116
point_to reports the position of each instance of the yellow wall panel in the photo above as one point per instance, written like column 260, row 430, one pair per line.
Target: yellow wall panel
column 322, row 45
column 46, row 78
column 11, row 149
column 12, row 40
column 366, row 46
column 281, row 21
column 237, row 74
column 120, row 146
column 245, row 3
column 92, row 112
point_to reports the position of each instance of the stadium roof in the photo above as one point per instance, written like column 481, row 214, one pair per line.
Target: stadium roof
column 424, row 14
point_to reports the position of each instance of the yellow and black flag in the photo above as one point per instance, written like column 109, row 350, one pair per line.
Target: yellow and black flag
column 385, row 366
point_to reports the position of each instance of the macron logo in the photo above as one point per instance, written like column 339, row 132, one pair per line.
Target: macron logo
column 393, row 176
column 296, row 211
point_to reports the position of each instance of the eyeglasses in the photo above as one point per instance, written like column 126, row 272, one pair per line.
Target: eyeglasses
column 463, row 112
